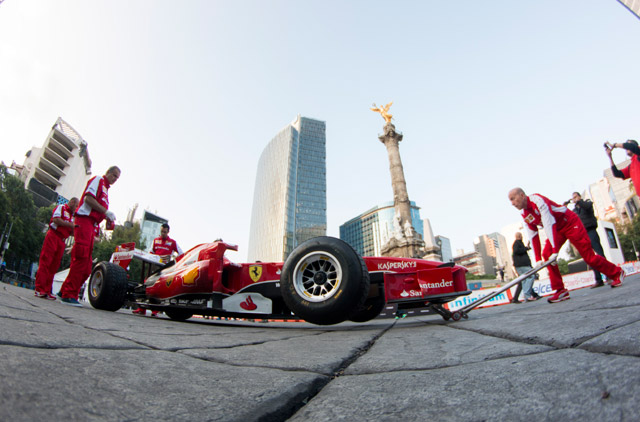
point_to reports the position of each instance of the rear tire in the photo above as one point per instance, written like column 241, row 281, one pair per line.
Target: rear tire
column 108, row 287
column 324, row 281
column 372, row 307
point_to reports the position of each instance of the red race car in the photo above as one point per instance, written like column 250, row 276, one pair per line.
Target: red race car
column 323, row 281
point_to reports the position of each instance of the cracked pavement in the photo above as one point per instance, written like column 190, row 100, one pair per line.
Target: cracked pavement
column 574, row 360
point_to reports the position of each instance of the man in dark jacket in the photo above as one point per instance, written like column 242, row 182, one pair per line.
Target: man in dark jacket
column 584, row 209
column 522, row 264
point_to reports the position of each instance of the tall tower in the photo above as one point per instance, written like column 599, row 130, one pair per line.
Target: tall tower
column 405, row 242
column 290, row 194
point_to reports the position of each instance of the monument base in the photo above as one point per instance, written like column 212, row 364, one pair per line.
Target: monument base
column 403, row 248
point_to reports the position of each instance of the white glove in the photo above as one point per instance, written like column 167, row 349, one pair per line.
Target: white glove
column 110, row 215
column 539, row 263
column 553, row 257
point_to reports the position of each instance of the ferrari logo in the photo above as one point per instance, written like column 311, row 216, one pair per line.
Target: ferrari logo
column 255, row 272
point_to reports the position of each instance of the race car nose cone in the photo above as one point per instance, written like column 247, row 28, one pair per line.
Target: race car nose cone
column 320, row 278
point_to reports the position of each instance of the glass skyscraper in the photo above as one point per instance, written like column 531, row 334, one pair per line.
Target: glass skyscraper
column 290, row 196
column 369, row 231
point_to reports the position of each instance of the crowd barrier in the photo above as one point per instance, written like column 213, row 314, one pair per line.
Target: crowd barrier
column 542, row 287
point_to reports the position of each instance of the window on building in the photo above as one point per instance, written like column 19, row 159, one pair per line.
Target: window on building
column 611, row 237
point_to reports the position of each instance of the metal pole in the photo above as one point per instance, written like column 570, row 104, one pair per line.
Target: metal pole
column 3, row 232
column 4, row 242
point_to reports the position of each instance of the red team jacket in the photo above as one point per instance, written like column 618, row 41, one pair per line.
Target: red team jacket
column 543, row 212
column 63, row 212
column 165, row 247
column 98, row 188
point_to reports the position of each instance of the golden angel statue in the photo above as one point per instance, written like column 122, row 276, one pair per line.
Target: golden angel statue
column 384, row 111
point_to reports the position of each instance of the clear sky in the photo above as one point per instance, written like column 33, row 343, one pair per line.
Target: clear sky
column 184, row 96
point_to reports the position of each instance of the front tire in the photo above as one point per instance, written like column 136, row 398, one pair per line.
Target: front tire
column 324, row 281
column 108, row 286
column 178, row 314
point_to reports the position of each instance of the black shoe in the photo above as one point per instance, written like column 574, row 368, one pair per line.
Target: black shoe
column 514, row 301
column 598, row 284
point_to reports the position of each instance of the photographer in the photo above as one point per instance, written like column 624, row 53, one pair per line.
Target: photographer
column 632, row 170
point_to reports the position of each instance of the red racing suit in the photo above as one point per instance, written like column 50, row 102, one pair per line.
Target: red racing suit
column 560, row 224
column 86, row 220
column 53, row 249
column 164, row 247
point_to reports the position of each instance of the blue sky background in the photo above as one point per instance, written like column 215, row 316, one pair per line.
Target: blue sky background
column 184, row 96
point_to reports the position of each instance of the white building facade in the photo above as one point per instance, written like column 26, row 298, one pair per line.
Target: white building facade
column 60, row 169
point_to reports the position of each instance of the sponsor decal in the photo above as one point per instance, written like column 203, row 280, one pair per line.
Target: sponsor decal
column 169, row 280
column 248, row 304
column 255, row 272
column 189, row 278
column 185, row 302
column 411, row 293
column 439, row 285
column 397, row 265
column 529, row 219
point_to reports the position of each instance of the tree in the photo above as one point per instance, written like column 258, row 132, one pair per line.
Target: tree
column 17, row 208
column 563, row 266
column 471, row 276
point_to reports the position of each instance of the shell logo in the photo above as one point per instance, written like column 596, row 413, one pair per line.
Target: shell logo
column 190, row 276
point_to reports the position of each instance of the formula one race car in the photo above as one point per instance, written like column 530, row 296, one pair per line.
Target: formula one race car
column 323, row 281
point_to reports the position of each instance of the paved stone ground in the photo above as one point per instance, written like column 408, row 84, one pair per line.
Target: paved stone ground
column 575, row 360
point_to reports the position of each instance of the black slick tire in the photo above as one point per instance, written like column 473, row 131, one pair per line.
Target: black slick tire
column 324, row 281
column 107, row 286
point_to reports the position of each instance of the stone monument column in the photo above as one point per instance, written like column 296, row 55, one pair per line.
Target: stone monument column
column 404, row 241
column 390, row 138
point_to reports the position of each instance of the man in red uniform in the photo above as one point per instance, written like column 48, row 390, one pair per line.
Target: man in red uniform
column 93, row 208
column 632, row 170
column 60, row 228
column 560, row 224
column 164, row 246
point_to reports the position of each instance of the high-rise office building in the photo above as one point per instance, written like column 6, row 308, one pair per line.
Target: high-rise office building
column 290, row 194
column 369, row 231
column 446, row 254
column 495, row 254
column 60, row 169
column 150, row 228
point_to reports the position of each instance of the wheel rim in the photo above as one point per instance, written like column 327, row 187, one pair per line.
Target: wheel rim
column 317, row 276
column 96, row 283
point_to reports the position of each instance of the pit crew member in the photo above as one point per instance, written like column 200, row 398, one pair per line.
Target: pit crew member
column 60, row 228
column 163, row 246
column 93, row 208
column 560, row 224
